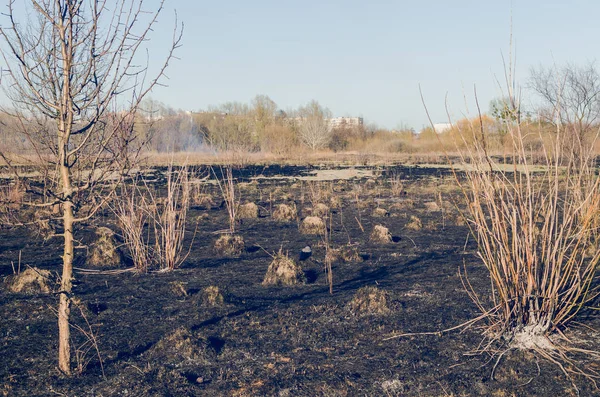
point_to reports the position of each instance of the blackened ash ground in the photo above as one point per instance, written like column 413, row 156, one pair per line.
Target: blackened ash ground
column 158, row 337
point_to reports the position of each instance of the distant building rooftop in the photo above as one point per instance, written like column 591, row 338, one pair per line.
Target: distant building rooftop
column 440, row 128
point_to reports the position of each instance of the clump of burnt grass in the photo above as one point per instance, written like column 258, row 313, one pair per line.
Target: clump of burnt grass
column 247, row 211
column 381, row 235
column 369, row 301
column 285, row 212
column 229, row 245
column 313, row 225
column 283, row 270
column 104, row 250
column 30, row 281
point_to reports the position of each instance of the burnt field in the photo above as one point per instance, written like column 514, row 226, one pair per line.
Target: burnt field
column 211, row 328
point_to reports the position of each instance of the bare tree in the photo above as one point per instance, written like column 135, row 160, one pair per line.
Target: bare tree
column 570, row 97
column 265, row 110
column 75, row 82
column 313, row 126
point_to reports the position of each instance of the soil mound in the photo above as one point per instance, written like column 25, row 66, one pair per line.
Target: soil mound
column 203, row 201
column 335, row 202
column 344, row 254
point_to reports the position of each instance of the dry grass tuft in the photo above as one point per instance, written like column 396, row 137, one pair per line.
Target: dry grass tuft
column 181, row 346
column 30, row 281
column 432, row 206
column 350, row 253
column 380, row 234
column 203, row 201
column 285, row 212
column 380, row 213
column 414, row 223
column 335, row 202
column 283, row 270
column 229, row 245
column 346, row 254
column 105, row 251
column 402, row 205
column 247, row 211
column 321, row 210
column 313, row 225
column 369, row 300
column 212, row 296
column 179, row 288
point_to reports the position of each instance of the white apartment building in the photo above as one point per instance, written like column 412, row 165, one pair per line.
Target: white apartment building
column 337, row 122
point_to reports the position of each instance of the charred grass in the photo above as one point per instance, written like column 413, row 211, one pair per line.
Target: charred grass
column 158, row 336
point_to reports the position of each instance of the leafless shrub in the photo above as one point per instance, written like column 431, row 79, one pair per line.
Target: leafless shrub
column 168, row 220
column 132, row 209
column 396, row 185
column 153, row 228
column 534, row 224
column 227, row 187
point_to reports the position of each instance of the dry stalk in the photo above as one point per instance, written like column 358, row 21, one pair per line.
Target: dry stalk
column 326, row 237
column 168, row 220
column 132, row 210
column 153, row 229
column 227, row 187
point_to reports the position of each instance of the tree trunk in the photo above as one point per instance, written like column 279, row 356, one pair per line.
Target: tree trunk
column 64, row 306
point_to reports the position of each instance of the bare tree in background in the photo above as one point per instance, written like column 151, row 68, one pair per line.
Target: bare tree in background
column 570, row 97
column 313, row 126
column 75, row 82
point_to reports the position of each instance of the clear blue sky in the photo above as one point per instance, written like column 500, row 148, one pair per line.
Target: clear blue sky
column 367, row 58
